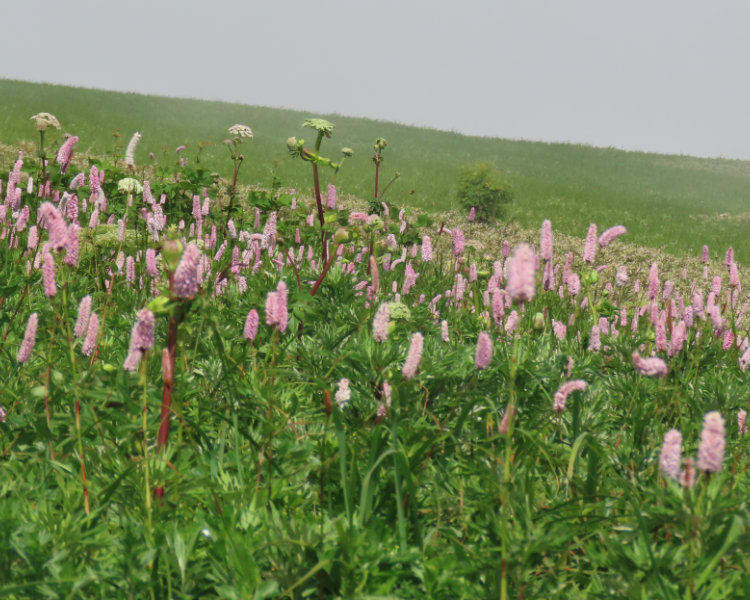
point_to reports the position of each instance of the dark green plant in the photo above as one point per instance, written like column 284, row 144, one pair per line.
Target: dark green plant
column 481, row 186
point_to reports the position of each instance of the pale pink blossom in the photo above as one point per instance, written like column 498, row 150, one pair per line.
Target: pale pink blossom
column 521, row 284
column 29, row 339
column 711, row 447
column 414, row 356
column 610, row 235
column 650, row 367
column 483, row 354
column 670, row 456
column 564, row 391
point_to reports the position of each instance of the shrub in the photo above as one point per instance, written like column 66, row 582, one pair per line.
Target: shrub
column 480, row 185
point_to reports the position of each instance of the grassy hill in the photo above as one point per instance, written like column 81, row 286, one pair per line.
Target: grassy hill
column 676, row 203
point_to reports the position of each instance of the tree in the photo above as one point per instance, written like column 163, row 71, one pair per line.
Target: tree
column 481, row 186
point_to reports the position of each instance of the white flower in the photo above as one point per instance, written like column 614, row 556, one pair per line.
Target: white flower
column 130, row 185
column 43, row 121
column 343, row 393
column 130, row 151
column 242, row 131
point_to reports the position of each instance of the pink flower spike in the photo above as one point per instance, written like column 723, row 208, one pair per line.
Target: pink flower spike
column 87, row 349
column 704, row 255
column 545, row 244
column 380, row 323
column 29, row 339
column 251, row 325
column 414, row 356
column 610, row 235
column 185, row 284
column 561, row 395
column 742, row 421
column 711, row 447
column 483, row 354
column 48, row 275
column 281, row 310
column 589, row 250
column 670, row 456
column 65, row 153
column 521, row 285
column 649, row 367
column 84, row 313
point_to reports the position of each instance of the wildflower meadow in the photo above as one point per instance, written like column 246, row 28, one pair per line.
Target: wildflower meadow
column 211, row 391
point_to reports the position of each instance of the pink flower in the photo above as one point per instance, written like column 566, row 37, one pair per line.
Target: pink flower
column 65, row 153
column 610, row 235
column 559, row 329
column 71, row 246
column 589, row 250
column 331, row 197
column 444, row 335
column 483, row 354
column 185, row 284
column 521, row 285
column 472, row 215
column 29, row 339
column 574, row 284
column 704, row 255
column 151, row 262
column 653, row 282
column 87, row 349
column 711, row 447
column 679, row 334
column 561, row 395
column 742, row 421
column 426, row 249
column 48, row 275
column 650, row 367
column 512, row 322
column 729, row 257
column 251, row 325
column 281, row 311
column 458, row 242
column 380, row 323
column 545, row 244
column 670, row 456
column 595, row 343
column 51, row 219
column 84, row 313
column 142, row 335
column 414, row 356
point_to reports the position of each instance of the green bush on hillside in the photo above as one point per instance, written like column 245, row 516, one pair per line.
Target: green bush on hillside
column 481, row 186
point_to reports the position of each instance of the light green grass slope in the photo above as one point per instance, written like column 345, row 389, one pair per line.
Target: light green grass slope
column 677, row 203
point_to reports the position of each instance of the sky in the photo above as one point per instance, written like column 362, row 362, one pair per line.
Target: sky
column 656, row 75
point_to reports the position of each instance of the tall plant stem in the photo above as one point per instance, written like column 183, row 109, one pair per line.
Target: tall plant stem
column 321, row 216
column 73, row 366
column 377, row 170
column 324, row 273
column 168, row 363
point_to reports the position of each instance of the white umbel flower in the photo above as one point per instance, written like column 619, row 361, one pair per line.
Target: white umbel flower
column 43, row 121
column 242, row 131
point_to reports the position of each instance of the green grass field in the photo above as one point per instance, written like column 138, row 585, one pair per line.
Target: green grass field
column 676, row 203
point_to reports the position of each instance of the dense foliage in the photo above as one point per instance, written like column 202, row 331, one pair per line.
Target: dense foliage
column 411, row 419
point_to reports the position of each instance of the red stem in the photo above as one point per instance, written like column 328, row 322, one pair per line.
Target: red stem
column 324, row 273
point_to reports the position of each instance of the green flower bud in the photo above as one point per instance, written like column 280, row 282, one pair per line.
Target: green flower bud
column 399, row 311
column 171, row 250
column 538, row 321
column 341, row 235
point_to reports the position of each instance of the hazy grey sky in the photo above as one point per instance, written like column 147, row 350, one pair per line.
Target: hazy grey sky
column 659, row 75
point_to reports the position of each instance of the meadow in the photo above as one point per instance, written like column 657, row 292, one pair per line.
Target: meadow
column 676, row 203
column 205, row 396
